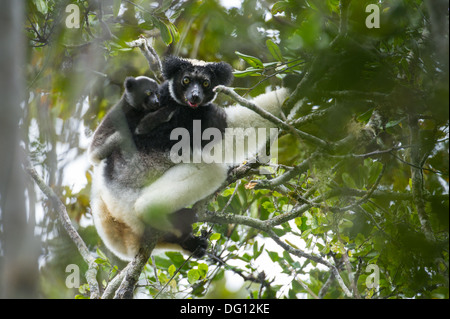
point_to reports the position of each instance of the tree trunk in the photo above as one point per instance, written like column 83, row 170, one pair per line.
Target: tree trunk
column 18, row 251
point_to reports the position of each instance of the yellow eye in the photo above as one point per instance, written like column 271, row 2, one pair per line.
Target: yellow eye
column 148, row 93
column 206, row 83
column 186, row 80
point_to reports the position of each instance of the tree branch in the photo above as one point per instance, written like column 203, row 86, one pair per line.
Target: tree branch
column 417, row 179
column 64, row 219
column 300, row 253
column 136, row 266
column 150, row 54
column 224, row 218
column 297, row 170
column 270, row 117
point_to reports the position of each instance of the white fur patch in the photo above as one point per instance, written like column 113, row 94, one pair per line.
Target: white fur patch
column 172, row 93
column 179, row 187
column 118, row 200
column 239, row 117
column 196, row 62
column 183, row 184
column 145, row 77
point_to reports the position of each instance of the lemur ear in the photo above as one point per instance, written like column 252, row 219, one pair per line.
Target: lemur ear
column 172, row 65
column 223, row 72
column 130, row 83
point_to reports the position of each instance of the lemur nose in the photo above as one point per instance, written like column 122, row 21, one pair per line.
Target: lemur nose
column 195, row 97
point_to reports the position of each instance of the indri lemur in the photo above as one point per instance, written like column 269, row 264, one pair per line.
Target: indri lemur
column 143, row 187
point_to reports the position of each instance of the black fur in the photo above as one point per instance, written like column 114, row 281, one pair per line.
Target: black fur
column 182, row 220
column 185, row 102
column 182, row 115
column 140, row 97
column 141, row 93
column 217, row 73
column 149, row 133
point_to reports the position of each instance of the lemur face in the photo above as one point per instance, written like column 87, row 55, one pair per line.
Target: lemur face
column 191, row 82
column 142, row 92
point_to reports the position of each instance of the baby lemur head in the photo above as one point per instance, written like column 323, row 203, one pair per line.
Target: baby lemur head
column 142, row 92
column 191, row 82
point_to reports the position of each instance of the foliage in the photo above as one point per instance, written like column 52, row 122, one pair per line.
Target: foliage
column 375, row 192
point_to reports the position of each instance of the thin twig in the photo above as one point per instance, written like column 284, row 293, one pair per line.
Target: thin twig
column 173, row 276
column 300, row 253
column 366, row 196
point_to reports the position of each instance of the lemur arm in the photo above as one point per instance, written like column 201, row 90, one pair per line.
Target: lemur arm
column 154, row 119
column 179, row 187
column 103, row 150
column 113, row 133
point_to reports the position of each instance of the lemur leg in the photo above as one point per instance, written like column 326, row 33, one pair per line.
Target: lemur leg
column 122, row 240
column 182, row 220
column 179, row 187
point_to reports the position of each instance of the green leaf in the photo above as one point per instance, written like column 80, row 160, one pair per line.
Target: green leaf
column 164, row 6
column 166, row 35
column 393, row 123
column 306, row 233
column 41, row 6
column 345, row 223
column 374, row 172
column 175, row 257
column 193, row 276
column 116, row 7
column 172, row 270
column 215, row 236
column 274, row 50
column 101, row 254
column 255, row 249
column 279, row 7
column 365, row 117
column 309, row 241
column 287, row 257
column 246, row 257
column 270, row 64
column 174, row 31
column 273, row 255
column 348, row 180
column 251, row 60
column 247, row 72
column 258, row 252
column 268, row 205
column 202, row 269
column 279, row 232
column 228, row 192
column 291, row 244
column 176, row 14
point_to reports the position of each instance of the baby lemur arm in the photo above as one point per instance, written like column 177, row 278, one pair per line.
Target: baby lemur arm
column 97, row 154
column 154, row 119
column 113, row 133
